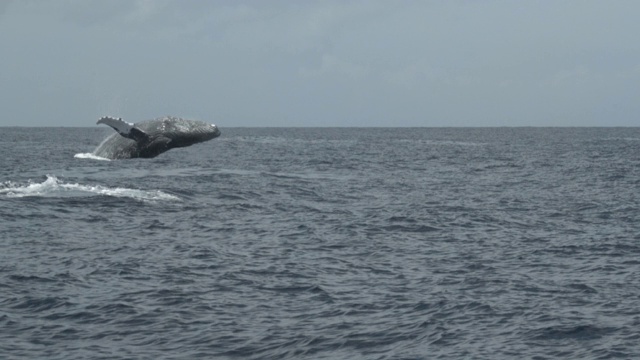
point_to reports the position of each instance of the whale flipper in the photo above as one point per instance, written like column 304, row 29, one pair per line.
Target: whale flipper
column 124, row 128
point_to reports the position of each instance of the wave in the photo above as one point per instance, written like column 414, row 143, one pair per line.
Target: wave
column 53, row 187
column 90, row 156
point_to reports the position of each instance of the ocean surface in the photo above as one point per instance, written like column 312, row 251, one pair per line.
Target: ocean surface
column 323, row 243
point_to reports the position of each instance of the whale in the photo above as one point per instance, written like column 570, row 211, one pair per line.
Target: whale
column 150, row 138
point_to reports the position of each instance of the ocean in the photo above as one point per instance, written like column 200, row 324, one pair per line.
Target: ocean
column 323, row 243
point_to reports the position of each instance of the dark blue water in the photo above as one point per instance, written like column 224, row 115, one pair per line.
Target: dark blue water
column 323, row 244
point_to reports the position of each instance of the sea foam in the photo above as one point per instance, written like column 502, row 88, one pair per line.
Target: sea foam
column 54, row 187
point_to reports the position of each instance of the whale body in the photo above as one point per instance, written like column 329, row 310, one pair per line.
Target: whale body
column 150, row 138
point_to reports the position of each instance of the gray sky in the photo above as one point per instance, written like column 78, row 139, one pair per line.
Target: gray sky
column 321, row 63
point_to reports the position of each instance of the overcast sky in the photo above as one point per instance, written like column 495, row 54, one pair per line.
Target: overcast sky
column 321, row 63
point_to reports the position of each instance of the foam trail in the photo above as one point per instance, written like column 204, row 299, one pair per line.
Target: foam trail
column 53, row 187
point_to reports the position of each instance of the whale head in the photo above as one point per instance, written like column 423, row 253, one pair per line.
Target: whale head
column 183, row 132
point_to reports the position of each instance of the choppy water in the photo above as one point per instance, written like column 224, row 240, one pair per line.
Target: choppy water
column 323, row 244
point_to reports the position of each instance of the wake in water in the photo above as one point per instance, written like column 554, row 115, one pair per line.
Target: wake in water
column 53, row 187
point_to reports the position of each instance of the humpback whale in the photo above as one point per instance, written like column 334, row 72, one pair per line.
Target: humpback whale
column 150, row 138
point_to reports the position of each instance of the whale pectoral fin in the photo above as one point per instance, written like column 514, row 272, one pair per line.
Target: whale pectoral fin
column 124, row 128
column 156, row 146
column 161, row 142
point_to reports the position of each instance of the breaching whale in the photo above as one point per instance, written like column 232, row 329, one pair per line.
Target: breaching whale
column 150, row 138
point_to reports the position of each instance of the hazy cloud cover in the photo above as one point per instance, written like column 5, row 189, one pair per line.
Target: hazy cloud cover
column 321, row 63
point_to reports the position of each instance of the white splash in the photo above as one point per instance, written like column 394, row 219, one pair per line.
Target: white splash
column 53, row 187
column 90, row 156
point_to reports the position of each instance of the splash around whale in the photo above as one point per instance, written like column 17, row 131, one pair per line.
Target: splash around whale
column 150, row 138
